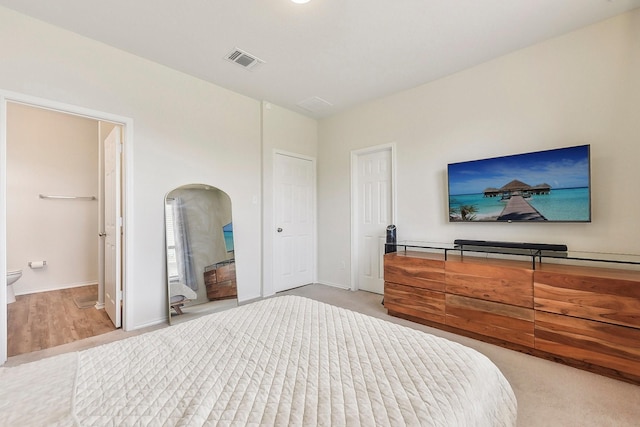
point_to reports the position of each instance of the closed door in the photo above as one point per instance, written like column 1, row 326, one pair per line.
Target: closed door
column 294, row 234
column 113, row 227
column 373, row 213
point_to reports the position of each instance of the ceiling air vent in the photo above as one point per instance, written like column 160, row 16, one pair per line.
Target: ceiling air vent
column 315, row 104
column 244, row 59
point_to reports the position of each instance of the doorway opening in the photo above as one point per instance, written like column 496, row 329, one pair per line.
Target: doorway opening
column 56, row 191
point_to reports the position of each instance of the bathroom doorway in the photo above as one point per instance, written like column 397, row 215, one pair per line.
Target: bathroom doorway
column 56, row 196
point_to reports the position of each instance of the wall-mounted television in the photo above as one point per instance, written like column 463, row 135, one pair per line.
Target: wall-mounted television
column 227, row 231
column 542, row 186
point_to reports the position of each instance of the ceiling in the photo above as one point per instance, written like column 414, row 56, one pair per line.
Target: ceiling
column 345, row 52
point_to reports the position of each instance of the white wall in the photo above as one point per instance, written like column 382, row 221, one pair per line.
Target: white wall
column 186, row 131
column 581, row 88
column 286, row 131
column 52, row 154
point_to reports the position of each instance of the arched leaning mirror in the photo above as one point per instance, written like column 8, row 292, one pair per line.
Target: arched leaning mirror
column 201, row 271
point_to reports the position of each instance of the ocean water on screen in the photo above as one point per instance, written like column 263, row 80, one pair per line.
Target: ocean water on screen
column 564, row 204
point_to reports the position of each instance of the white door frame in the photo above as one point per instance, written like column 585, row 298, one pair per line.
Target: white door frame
column 355, row 159
column 127, row 169
column 314, row 208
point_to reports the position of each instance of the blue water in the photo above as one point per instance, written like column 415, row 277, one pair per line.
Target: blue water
column 565, row 204
column 228, row 240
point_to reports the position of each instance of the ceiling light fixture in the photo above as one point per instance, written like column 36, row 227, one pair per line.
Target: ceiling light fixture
column 300, row 1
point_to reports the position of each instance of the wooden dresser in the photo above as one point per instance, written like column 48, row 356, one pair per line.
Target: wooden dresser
column 220, row 280
column 583, row 316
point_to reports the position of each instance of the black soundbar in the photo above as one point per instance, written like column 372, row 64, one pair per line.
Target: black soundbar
column 511, row 245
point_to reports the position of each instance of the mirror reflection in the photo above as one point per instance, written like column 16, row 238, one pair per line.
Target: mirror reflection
column 201, row 270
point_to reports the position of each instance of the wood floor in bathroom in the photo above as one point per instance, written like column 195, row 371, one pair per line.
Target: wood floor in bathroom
column 48, row 319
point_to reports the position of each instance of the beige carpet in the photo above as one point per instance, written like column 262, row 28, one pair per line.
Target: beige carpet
column 549, row 394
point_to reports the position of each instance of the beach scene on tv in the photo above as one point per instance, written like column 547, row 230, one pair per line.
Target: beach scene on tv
column 550, row 185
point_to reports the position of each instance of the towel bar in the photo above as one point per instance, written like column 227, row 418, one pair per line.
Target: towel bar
column 42, row 196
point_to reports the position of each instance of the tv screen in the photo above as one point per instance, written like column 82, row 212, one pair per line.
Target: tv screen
column 543, row 186
column 227, row 231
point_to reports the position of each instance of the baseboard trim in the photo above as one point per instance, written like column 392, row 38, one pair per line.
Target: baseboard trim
column 252, row 300
column 334, row 285
column 148, row 324
column 55, row 288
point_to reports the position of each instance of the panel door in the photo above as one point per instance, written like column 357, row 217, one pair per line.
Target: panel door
column 374, row 207
column 113, row 227
column 294, row 236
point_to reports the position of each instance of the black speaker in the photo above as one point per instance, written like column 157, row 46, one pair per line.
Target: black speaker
column 512, row 245
column 390, row 245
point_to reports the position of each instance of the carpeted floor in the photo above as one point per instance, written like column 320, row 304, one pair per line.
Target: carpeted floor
column 549, row 394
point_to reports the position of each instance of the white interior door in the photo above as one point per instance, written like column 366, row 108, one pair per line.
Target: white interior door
column 112, row 227
column 294, row 234
column 373, row 212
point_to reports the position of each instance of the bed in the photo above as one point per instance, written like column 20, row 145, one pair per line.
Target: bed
column 282, row 361
column 179, row 294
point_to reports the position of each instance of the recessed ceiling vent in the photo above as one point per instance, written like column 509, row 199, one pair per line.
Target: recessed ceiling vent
column 315, row 104
column 244, row 59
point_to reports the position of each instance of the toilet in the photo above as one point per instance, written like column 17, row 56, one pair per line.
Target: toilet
column 12, row 277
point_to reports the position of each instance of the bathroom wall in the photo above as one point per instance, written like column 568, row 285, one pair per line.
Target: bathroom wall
column 51, row 153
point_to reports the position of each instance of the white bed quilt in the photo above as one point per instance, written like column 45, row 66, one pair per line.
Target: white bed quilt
column 282, row 361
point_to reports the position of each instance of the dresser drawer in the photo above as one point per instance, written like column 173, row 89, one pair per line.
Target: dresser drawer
column 602, row 299
column 507, row 285
column 413, row 301
column 502, row 321
column 419, row 272
column 612, row 346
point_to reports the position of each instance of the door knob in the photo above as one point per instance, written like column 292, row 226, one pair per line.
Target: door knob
column 279, row 230
column 102, row 234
